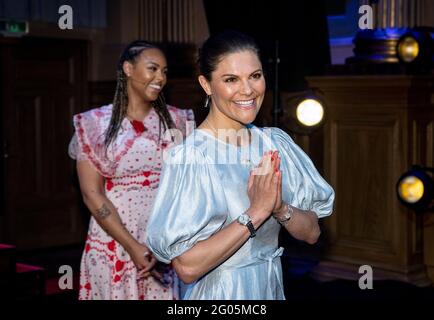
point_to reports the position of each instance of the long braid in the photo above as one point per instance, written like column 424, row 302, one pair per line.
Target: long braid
column 120, row 101
column 119, row 111
column 160, row 107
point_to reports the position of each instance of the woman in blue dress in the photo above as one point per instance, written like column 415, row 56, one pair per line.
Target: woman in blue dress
column 227, row 190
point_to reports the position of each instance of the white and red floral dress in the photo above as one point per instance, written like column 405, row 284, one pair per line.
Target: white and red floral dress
column 131, row 167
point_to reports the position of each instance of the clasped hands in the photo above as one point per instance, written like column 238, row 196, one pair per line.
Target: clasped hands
column 265, row 186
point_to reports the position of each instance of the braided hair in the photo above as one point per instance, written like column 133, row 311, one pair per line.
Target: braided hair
column 120, row 101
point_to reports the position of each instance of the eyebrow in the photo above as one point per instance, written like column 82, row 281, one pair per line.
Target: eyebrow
column 156, row 64
column 234, row 75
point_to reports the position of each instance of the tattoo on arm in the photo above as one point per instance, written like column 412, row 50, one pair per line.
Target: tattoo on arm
column 103, row 212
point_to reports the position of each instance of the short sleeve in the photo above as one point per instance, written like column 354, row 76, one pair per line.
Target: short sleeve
column 184, row 120
column 87, row 142
column 190, row 205
column 74, row 150
column 303, row 186
column 190, row 123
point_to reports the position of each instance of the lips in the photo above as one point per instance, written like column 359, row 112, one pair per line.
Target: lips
column 246, row 104
column 155, row 87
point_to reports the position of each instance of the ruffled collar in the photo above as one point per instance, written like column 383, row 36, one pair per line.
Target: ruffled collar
column 149, row 123
column 149, row 127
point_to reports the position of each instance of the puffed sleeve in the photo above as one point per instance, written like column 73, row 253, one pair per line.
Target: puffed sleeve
column 74, row 150
column 87, row 142
column 189, row 122
column 184, row 120
column 303, row 187
column 190, row 205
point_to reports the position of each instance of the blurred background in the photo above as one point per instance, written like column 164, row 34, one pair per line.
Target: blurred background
column 366, row 66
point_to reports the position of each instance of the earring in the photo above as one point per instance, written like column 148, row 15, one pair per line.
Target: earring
column 208, row 98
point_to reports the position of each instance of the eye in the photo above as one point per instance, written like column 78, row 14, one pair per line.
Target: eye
column 257, row 75
column 152, row 68
column 231, row 79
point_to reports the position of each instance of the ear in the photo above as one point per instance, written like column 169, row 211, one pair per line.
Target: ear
column 128, row 68
column 204, row 83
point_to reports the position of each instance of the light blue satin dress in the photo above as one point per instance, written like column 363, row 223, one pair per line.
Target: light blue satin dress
column 203, row 188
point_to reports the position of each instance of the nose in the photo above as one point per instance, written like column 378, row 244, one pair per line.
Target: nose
column 246, row 88
column 160, row 76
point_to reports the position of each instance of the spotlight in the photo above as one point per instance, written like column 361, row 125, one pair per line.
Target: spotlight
column 408, row 49
column 310, row 112
column 415, row 189
column 304, row 112
column 416, row 47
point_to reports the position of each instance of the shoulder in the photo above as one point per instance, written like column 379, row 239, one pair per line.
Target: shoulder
column 188, row 152
column 275, row 134
column 91, row 125
column 179, row 114
column 97, row 115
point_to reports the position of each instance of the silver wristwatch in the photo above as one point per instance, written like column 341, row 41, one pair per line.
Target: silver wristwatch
column 286, row 216
column 245, row 220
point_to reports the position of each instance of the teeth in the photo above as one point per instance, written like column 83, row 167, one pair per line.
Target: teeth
column 245, row 103
column 155, row 86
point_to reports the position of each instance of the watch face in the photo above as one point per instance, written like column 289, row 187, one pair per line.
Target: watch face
column 243, row 219
column 287, row 215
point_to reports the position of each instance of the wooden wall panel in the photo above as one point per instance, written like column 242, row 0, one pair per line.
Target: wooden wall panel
column 46, row 86
column 377, row 127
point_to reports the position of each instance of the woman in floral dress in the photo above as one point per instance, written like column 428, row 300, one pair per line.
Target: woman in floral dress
column 119, row 152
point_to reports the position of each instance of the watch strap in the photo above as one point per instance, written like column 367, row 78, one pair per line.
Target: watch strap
column 251, row 228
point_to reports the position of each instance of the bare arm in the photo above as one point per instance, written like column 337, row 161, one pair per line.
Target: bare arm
column 207, row 254
column 104, row 212
column 303, row 225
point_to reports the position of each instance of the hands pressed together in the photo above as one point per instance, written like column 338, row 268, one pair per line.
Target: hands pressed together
column 265, row 186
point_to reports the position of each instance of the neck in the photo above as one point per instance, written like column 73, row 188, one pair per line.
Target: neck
column 220, row 121
column 217, row 123
column 137, row 107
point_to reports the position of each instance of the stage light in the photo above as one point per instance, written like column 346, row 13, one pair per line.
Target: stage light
column 411, row 189
column 303, row 111
column 416, row 47
column 310, row 112
column 408, row 49
column 415, row 189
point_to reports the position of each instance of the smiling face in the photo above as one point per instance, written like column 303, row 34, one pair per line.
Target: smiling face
column 237, row 89
column 147, row 75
